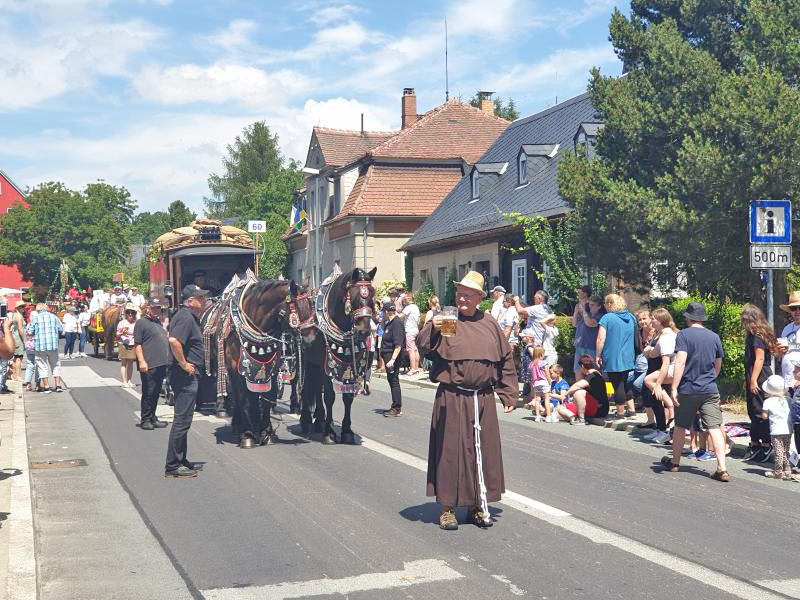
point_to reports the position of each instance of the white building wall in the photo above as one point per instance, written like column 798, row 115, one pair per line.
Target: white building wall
column 447, row 257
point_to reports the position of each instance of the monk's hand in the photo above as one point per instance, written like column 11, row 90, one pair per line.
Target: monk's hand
column 437, row 322
column 508, row 409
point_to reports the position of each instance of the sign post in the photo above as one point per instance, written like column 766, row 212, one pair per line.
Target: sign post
column 770, row 242
column 256, row 227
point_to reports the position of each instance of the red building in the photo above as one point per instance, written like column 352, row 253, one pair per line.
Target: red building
column 10, row 194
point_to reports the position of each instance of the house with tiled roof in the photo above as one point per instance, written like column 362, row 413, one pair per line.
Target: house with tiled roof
column 470, row 228
column 367, row 192
column 11, row 195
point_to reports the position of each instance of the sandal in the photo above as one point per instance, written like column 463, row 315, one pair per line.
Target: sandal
column 774, row 474
column 668, row 465
column 722, row 476
column 447, row 520
column 480, row 518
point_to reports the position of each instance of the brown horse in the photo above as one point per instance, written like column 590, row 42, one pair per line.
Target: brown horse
column 347, row 307
column 110, row 319
column 253, row 351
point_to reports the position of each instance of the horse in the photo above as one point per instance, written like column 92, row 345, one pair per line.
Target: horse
column 256, row 316
column 344, row 306
column 110, row 317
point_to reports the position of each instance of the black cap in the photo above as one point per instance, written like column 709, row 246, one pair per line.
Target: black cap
column 192, row 291
column 696, row 311
column 198, row 272
column 389, row 305
column 154, row 302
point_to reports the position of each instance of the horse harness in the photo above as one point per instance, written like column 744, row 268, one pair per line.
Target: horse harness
column 345, row 359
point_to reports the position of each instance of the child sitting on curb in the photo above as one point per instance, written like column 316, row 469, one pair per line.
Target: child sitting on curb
column 558, row 390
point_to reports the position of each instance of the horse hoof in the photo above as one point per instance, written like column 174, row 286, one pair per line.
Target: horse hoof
column 246, row 443
column 348, row 438
column 222, row 414
column 328, row 439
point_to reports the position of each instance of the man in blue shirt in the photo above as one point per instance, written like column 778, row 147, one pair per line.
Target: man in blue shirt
column 46, row 330
column 698, row 361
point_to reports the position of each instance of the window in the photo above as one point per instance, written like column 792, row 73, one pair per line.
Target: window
column 484, row 268
column 476, row 184
column 442, row 281
column 300, row 276
column 462, row 270
column 522, row 168
column 423, row 275
column 519, row 278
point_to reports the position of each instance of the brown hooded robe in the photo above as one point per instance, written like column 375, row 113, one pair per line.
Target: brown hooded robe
column 477, row 357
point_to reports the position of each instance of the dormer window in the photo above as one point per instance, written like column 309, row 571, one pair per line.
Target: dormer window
column 476, row 184
column 586, row 137
column 489, row 172
column 522, row 169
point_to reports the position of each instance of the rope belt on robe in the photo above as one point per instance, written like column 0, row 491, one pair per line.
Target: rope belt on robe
column 477, row 440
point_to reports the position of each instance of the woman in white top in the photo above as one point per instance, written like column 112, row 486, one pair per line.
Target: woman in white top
column 83, row 319
column 549, row 344
column 663, row 346
column 127, row 355
column 71, row 330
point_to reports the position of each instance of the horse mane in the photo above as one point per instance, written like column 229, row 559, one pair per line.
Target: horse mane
column 265, row 318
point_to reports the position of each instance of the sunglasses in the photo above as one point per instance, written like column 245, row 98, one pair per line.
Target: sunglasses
column 794, row 308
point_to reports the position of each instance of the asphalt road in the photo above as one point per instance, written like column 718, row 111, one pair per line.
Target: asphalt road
column 590, row 515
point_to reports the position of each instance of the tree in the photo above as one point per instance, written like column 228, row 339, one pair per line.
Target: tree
column 90, row 230
column 258, row 183
column 505, row 110
column 706, row 120
column 148, row 226
column 179, row 215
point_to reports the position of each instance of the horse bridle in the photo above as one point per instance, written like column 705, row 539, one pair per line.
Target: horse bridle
column 294, row 315
column 364, row 288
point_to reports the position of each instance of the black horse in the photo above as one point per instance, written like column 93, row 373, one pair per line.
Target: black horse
column 344, row 311
column 253, row 350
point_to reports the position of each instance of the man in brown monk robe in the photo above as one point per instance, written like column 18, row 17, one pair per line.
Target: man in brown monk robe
column 465, row 463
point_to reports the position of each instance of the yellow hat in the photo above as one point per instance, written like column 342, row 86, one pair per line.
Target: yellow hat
column 794, row 300
column 473, row 280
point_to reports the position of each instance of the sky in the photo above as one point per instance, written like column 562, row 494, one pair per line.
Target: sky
column 148, row 93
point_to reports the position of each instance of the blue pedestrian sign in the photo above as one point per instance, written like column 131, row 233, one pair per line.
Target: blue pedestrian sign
column 771, row 222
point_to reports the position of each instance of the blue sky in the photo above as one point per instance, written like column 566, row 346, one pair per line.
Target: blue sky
column 147, row 93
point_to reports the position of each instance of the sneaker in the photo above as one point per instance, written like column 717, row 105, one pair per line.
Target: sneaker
column 707, row 456
column 181, row 472
column 668, row 465
column 649, row 437
column 698, row 453
column 574, row 421
column 392, row 412
column 48, row 391
column 586, row 421
column 662, row 437
column 447, row 520
column 750, row 452
column 768, row 454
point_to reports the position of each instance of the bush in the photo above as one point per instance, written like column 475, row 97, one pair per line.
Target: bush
column 382, row 290
column 724, row 319
column 565, row 343
column 486, row 304
column 423, row 295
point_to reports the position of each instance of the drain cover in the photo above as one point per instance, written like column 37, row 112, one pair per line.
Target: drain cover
column 59, row 464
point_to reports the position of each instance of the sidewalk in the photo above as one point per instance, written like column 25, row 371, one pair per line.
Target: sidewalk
column 738, row 445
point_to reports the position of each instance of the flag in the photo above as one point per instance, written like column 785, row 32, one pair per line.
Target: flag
column 297, row 218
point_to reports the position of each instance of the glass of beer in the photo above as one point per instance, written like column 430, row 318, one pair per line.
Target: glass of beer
column 449, row 321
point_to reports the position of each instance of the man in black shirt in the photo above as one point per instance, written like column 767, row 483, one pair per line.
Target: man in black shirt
column 186, row 342
column 153, row 355
column 394, row 336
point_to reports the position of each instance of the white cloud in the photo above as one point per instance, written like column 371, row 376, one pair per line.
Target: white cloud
column 571, row 66
column 59, row 60
column 331, row 14
column 218, row 83
column 235, row 36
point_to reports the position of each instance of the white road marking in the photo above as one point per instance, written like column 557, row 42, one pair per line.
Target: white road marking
column 413, row 573
column 789, row 587
column 517, row 591
column 21, row 578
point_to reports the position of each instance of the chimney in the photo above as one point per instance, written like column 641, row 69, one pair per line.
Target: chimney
column 408, row 107
column 487, row 105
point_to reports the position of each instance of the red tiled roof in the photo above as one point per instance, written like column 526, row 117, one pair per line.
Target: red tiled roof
column 451, row 130
column 341, row 147
column 292, row 231
column 399, row 191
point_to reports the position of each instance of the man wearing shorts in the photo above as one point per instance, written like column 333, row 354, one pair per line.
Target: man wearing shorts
column 698, row 361
column 411, row 322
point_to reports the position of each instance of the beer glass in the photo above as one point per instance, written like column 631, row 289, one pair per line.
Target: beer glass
column 449, row 321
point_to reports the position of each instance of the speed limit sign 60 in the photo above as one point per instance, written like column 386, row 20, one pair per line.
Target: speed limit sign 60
column 256, row 226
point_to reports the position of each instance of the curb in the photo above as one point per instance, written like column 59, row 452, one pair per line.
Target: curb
column 21, row 582
column 423, row 383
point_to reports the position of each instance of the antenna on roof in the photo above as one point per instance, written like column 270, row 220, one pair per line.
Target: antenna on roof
column 446, row 74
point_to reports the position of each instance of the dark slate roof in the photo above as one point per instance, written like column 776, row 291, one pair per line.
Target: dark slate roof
column 459, row 216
